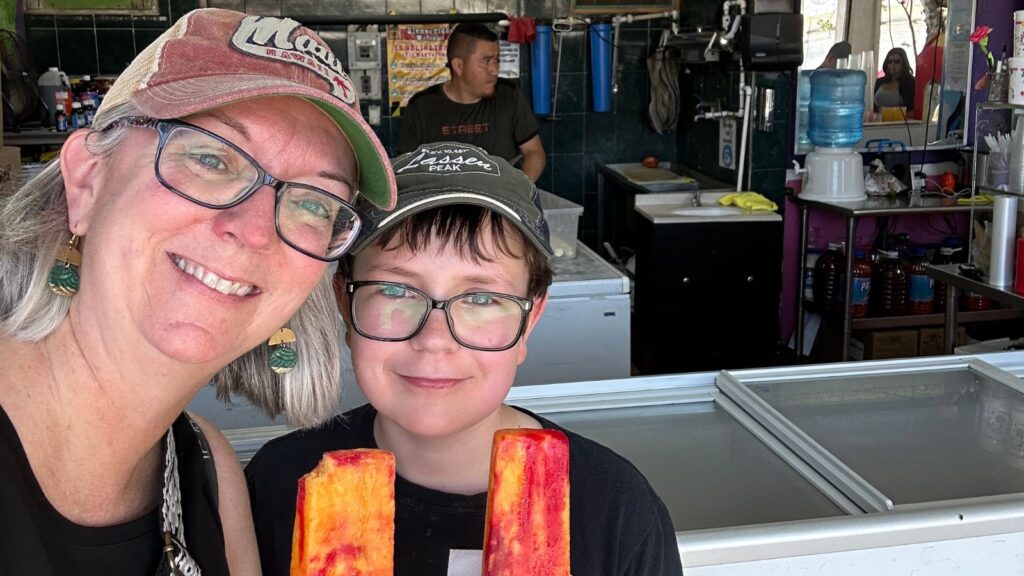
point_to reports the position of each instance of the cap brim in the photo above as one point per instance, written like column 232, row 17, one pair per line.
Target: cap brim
column 184, row 97
column 422, row 200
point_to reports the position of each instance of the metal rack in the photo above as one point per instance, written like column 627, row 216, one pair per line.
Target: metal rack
column 950, row 273
column 874, row 207
column 975, row 188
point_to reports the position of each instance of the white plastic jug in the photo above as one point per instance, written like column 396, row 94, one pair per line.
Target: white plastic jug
column 51, row 82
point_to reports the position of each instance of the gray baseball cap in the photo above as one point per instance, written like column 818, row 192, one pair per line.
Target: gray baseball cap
column 445, row 173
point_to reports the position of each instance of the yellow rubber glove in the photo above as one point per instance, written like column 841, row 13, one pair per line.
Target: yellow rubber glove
column 979, row 199
column 748, row 200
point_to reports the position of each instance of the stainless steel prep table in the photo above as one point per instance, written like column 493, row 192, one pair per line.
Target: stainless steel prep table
column 872, row 208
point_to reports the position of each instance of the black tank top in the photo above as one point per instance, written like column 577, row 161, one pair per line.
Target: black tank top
column 36, row 540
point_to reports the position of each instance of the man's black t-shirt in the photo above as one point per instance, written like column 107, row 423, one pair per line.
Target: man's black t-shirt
column 618, row 525
column 498, row 124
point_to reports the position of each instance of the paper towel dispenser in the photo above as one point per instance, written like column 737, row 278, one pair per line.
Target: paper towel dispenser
column 772, row 41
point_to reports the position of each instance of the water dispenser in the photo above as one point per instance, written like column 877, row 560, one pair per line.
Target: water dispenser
column 835, row 123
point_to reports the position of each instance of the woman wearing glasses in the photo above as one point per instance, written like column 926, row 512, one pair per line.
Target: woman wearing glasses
column 186, row 239
column 895, row 89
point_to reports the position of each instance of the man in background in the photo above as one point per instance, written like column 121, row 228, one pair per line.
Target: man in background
column 475, row 106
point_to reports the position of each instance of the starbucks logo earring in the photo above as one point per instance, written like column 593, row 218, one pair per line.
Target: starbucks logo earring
column 63, row 279
column 283, row 358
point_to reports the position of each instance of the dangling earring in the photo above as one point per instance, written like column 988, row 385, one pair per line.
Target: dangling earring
column 284, row 357
column 63, row 279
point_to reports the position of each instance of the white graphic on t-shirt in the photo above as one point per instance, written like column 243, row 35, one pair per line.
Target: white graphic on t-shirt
column 465, row 562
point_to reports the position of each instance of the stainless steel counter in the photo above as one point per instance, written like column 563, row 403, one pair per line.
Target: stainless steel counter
column 665, row 209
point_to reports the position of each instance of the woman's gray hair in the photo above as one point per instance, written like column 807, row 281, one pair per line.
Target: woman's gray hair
column 34, row 224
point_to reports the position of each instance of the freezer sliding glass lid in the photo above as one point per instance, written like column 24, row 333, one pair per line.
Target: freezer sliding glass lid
column 916, row 436
column 710, row 471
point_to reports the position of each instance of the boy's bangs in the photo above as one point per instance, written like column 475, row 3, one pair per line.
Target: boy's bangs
column 464, row 227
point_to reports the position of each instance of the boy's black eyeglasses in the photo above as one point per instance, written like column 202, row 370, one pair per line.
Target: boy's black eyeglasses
column 393, row 312
column 209, row 170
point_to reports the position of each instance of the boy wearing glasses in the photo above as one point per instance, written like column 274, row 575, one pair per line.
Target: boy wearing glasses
column 439, row 297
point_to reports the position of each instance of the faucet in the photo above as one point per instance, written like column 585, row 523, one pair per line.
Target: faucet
column 695, row 199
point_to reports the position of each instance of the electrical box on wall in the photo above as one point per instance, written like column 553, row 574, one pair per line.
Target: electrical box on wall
column 364, row 50
column 772, row 41
column 364, row 62
column 367, row 83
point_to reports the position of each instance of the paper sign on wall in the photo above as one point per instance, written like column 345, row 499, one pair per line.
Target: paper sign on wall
column 416, row 59
column 508, row 59
column 727, row 143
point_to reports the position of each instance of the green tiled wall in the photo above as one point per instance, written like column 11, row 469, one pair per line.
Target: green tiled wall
column 96, row 44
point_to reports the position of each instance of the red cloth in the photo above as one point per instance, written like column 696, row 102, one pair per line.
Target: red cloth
column 522, row 30
column 929, row 69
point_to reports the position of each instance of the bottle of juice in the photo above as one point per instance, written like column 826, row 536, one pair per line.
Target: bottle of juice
column 921, row 293
column 861, row 272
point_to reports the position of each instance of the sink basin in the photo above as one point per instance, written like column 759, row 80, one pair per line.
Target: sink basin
column 707, row 211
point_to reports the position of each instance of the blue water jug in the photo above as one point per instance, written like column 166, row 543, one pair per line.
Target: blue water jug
column 836, row 112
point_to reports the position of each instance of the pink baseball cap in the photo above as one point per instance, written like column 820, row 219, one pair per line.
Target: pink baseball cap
column 212, row 57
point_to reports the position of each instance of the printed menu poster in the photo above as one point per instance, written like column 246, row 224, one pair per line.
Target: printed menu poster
column 416, row 59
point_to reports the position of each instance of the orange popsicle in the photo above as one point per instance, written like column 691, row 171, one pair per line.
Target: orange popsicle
column 345, row 516
column 527, row 530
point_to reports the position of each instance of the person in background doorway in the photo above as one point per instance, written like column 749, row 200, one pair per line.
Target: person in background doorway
column 439, row 301
column 165, row 250
column 895, row 88
column 475, row 106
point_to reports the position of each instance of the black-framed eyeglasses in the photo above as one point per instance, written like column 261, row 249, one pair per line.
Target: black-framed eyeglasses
column 893, row 61
column 209, row 170
column 393, row 312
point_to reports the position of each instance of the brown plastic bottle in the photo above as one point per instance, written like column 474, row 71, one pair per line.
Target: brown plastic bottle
column 828, row 288
column 920, row 286
column 889, row 286
column 974, row 301
column 861, row 272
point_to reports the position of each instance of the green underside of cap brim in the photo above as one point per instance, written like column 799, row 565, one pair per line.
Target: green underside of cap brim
column 373, row 175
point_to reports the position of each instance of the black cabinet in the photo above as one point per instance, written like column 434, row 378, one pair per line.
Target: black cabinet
column 706, row 295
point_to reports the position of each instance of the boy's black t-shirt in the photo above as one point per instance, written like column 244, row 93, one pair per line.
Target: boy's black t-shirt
column 618, row 525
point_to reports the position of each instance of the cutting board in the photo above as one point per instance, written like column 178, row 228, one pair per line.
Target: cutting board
column 642, row 175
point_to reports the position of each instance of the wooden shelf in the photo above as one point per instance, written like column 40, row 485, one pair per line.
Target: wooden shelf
column 923, row 320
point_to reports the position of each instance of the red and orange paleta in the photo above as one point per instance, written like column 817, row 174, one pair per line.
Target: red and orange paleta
column 527, row 530
column 345, row 516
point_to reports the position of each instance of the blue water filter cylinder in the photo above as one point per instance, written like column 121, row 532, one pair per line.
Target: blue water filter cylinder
column 540, row 61
column 601, row 66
